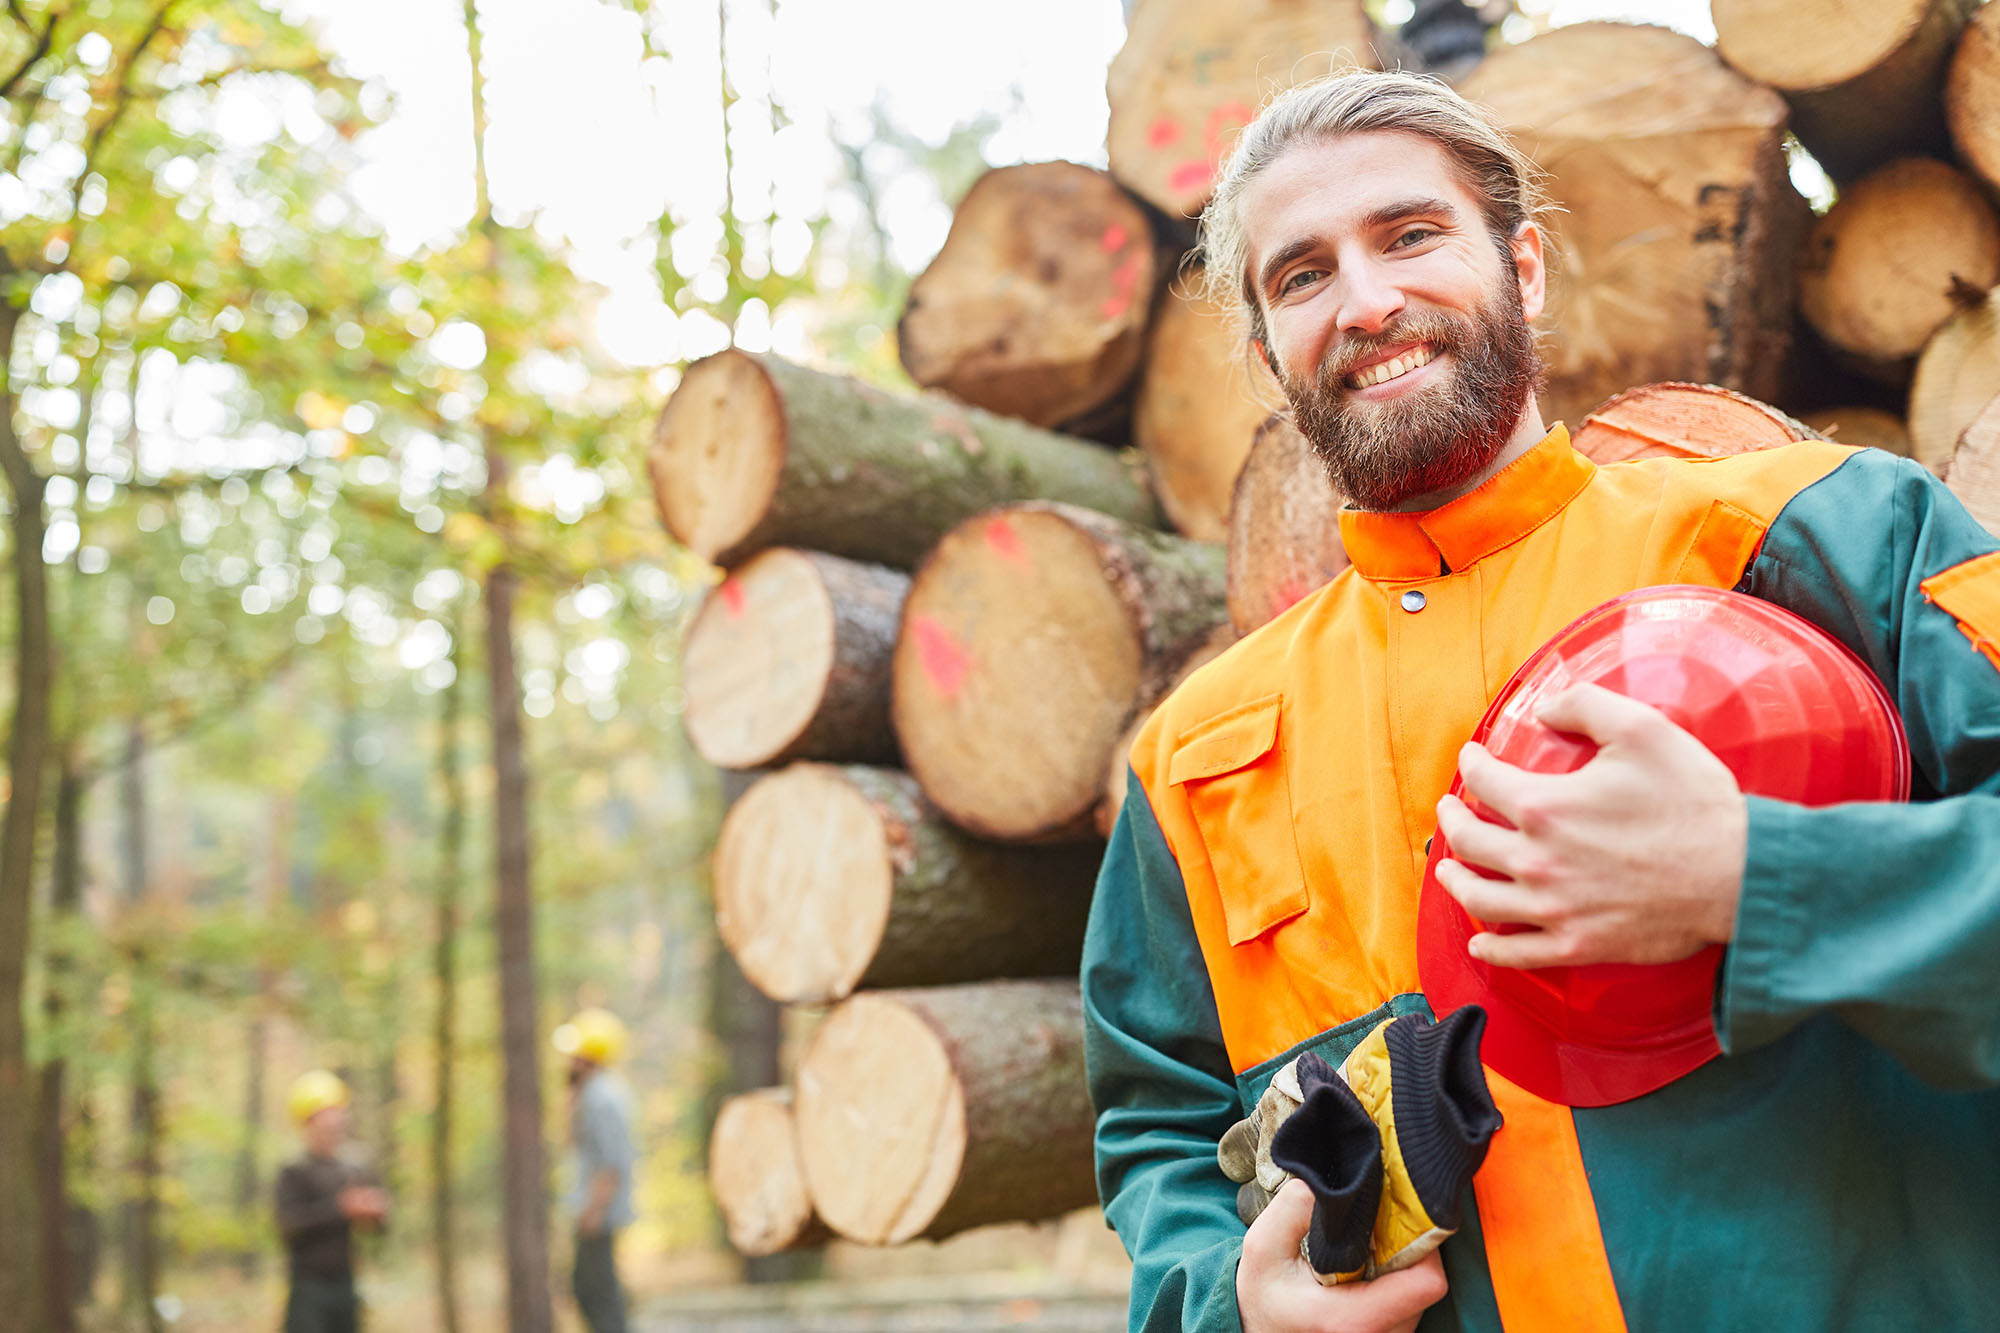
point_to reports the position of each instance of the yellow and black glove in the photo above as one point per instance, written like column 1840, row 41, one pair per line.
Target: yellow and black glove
column 1331, row 1143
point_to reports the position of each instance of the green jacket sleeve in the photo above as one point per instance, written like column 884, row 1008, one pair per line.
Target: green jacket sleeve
column 1887, row 916
column 1162, row 1085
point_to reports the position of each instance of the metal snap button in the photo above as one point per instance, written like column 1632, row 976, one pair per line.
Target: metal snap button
column 1413, row 600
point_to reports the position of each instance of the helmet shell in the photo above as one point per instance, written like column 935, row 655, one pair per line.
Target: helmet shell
column 595, row 1035
column 314, row 1091
column 1793, row 714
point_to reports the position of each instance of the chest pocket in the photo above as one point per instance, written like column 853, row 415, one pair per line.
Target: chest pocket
column 1232, row 770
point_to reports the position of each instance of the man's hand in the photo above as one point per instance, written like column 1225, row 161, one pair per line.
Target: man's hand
column 1637, row 857
column 363, row 1203
column 1276, row 1291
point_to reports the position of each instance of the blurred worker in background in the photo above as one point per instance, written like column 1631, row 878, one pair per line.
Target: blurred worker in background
column 322, row 1196
column 600, row 1120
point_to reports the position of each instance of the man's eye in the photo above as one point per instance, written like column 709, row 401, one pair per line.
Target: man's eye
column 1300, row 279
column 1414, row 236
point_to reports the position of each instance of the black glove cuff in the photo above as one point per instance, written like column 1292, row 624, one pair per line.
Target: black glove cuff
column 1445, row 1116
column 1332, row 1145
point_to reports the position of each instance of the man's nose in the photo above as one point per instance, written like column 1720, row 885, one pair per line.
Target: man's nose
column 1367, row 300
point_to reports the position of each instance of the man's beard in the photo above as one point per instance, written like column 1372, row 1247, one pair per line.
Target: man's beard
column 1380, row 454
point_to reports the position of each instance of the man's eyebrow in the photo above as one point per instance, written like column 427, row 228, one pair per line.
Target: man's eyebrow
column 1378, row 217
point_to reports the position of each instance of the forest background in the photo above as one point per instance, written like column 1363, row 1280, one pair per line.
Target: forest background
column 341, row 706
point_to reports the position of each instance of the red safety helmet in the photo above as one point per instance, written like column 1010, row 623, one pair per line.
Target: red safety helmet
column 1789, row 709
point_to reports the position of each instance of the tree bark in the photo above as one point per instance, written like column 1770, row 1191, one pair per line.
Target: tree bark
column 1878, row 272
column 1284, row 526
column 144, row 1131
column 1201, row 400
column 1192, row 74
column 1683, row 421
column 753, row 452
column 1954, row 379
column 1869, row 426
column 1029, row 638
column 58, row 1259
column 1674, row 255
column 1862, row 80
column 924, row 1112
column 830, row 879
column 21, row 1276
column 451, row 874
column 1973, row 470
column 789, row 659
column 1036, row 306
column 753, row 1171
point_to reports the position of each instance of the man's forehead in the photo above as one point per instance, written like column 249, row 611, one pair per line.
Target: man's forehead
column 1331, row 184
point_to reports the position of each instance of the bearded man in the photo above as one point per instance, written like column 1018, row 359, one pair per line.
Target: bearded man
column 1838, row 1167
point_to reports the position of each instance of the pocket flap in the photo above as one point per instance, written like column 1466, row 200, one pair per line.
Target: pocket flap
column 1241, row 736
column 1970, row 594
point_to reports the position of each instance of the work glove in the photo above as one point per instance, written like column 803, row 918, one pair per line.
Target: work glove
column 1387, row 1143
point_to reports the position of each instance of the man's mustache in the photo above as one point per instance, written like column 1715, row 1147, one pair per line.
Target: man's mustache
column 1440, row 331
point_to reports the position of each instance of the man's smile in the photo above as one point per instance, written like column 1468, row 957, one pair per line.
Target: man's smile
column 1393, row 367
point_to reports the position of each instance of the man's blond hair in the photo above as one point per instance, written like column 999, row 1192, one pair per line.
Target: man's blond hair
column 1498, row 173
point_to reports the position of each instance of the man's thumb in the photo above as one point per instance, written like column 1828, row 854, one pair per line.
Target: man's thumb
column 1276, row 1235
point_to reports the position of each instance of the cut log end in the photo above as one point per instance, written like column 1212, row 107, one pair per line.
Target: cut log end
column 881, row 1121
column 1957, row 375
column 1028, row 638
column 718, row 452
column 1284, row 527
column 1036, row 306
column 803, row 884
column 1972, row 95
column 757, row 662
column 1802, row 45
column 1683, row 421
column 1869, row 426
column 1973, row 470
column 753, row 1171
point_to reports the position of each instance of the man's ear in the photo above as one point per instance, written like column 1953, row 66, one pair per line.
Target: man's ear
column 1258, row 345
column 1531, row 269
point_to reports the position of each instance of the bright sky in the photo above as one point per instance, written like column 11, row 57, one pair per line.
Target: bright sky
column 597, row 144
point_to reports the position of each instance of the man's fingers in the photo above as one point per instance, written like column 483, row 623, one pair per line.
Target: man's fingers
column 1605, row 716
column 1528, row 949
column 1479, row 843
column 1274, row 1238
column 1497, row 784
column 1395, row 1300
column 1494, row 900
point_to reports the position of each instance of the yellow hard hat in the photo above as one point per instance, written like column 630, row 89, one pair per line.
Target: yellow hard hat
column 314, row 1091
column 595, row 1035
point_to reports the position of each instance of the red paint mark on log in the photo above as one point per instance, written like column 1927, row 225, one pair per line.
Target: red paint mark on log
column 1114, row 238
column 1290, row 591
column 1190, row 177
column 1114, row 307
column 1006, row 542
column 732, row 598
column 943, row 660
column 1228, row 116
column 1162, row 132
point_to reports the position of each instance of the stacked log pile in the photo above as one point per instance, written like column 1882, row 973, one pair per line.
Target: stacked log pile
column 943, row 614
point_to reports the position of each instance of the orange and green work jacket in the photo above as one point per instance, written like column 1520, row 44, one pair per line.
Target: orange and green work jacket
column 1838, row 1167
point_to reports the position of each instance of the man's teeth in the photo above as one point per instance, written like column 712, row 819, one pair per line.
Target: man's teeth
column 1390, row 369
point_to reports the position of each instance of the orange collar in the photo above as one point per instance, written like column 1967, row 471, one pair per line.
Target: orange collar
column 1512, row 503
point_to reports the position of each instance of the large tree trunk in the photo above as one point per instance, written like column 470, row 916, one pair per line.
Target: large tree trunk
column 789, row 659
column 1878, row 272
column 144, row 1130
column 753, row 451
column 1682, row 421
column 1956, row 377
column 1201, row 400
column 753, row 1171
column 924, row 1112
column 1193, row 73
column 1284, row 526
column 1674, row 254
column 21, row 1277
column 58, row 1260
column 1862, row 80
column 1030, row 636
column 451, row 875
column 1973, row 470
column 832, row 879
column 1036, row 306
